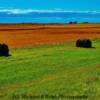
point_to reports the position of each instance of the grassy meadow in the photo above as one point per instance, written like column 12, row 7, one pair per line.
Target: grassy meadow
column 53, row 70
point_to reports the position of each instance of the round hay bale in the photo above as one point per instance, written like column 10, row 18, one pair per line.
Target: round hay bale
column 78, row 43
column 86, row 43
column 4, row 50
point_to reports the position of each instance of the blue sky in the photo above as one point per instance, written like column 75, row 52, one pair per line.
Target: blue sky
column 68, row 5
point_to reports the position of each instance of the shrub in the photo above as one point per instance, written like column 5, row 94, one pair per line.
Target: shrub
column 4, row 50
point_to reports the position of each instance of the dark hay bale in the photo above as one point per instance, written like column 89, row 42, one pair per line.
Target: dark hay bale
column 4, row 50
column 85, row 43
column 78, row 43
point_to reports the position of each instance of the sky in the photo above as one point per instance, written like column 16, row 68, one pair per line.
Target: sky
column 68, row 5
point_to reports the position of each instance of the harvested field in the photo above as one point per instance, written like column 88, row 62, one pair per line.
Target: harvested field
column 24, row 35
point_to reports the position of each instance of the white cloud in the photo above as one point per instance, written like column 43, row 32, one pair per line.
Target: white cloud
column 21, row 11
column 15, row 11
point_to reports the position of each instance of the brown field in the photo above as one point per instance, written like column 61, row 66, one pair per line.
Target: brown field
column 24, row 35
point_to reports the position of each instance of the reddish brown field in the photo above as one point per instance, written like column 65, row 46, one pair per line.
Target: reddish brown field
column 24, row 35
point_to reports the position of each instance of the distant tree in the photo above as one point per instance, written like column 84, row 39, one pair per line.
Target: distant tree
column 85, row 22
column 75, row 22
column 71, row 22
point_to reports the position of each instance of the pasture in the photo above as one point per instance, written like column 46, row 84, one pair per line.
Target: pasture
column 52, row 71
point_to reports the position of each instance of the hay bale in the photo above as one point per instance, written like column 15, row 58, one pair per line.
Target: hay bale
column 78, row 43
column 4, row 50
column 85, row 43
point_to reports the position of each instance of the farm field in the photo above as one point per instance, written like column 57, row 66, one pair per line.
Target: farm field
column 45, row 64
column 26, row 35
column 51, row 70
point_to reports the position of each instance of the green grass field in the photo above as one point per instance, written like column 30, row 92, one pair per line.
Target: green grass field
column 62, row 71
